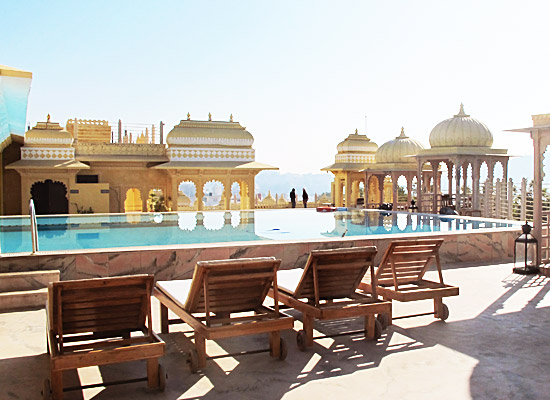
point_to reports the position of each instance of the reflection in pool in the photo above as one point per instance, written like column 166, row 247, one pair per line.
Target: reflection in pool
column 147, row 229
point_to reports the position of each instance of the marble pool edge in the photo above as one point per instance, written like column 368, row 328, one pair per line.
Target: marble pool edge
column 178, row 261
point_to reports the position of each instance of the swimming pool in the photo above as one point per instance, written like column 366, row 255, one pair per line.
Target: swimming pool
column 57, row 233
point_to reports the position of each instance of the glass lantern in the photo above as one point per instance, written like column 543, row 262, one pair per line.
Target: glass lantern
column 525, row 252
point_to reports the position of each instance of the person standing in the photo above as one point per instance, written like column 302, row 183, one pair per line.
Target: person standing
column 305, row 197
column 293, row 198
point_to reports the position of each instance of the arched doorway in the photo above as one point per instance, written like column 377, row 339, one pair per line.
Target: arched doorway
column 133, row 201
column 50, row 197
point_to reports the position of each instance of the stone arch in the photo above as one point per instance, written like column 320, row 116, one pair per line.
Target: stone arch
column 213, row 194
column 133, row 202
column 388, row 189
column 156, row 201
column 373, row 191
column 50, row 197
column 402, row 189
column 235, row 202
column 187, row 196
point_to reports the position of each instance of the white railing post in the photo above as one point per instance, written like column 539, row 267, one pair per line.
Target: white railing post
column 510, row 198
column 498, row 191
column 487, row 201
column 523, row 209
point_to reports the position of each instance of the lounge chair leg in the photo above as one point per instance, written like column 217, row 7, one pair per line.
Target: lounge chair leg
column 369, row 326
column 164, row 325
column 390, row 322
column 57, row 385
column 275, row 343
column 438, row 306
column 200, row 345
column 308, row 329
column 153, row 373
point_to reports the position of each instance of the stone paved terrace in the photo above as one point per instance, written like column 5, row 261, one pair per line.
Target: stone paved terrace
column 493, row 346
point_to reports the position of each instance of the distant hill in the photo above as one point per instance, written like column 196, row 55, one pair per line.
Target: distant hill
column 278, row 183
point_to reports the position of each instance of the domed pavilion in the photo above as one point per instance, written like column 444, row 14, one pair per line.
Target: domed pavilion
column 460, row 142
column 204, row 151
column 355, row 153
column 393, row 159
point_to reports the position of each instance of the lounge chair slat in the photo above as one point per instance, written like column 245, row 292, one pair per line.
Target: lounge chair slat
column 102, row 303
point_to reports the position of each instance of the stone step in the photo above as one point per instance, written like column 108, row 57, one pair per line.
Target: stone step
column 30, row 280
column 23, row 300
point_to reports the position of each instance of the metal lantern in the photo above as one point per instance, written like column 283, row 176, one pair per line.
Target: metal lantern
column 525, row 252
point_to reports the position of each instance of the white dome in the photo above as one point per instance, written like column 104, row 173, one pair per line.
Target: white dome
column 461, row 131
column 397, row 150
column 356, row 143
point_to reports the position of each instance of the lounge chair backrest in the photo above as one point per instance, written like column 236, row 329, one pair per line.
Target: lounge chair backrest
column 100, row 305
column 333, row 274
column 409, row 258
column 231, row 285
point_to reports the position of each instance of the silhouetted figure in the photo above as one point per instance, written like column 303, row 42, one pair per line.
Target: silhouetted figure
column 293, row 198
column 305, row 197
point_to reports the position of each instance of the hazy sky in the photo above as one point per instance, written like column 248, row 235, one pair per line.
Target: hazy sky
column 300, row 75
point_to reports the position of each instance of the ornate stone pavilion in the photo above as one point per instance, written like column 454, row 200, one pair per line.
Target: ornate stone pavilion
column 394, row 159
column 79, row 169
column 355, row 153
column 462, row 143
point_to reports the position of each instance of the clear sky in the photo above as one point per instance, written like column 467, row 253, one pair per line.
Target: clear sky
column 300, row 75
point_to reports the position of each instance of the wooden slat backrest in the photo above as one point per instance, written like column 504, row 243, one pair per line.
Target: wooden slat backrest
column 100, row 305
column 406, row 261
column 231, row 285
column 334, row 274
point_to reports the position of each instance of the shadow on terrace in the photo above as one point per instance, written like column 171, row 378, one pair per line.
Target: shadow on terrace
column 492, row 346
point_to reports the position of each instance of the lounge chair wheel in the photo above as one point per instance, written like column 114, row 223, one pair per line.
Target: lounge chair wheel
column 162, row 378
column 444, row 314
column 284, row 350
column 377, row 329
column 193, row 360
column 301, row 340
column 383, row 319
column 46, row 390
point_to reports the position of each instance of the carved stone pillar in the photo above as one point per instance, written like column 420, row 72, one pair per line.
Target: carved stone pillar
column 199, row 184
column 435, row 166
column 251, row 204
column 419, row 179
column 227, row 193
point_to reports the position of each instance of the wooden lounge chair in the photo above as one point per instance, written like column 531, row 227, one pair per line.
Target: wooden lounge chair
column 326, row 289
column 400, row 277
column 225, row 299
column 96, row 322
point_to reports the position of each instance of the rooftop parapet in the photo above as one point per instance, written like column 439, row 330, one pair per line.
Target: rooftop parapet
column 90, row 130
column 541, row 119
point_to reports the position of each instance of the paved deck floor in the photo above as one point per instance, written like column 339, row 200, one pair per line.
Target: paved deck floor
column 493, row 346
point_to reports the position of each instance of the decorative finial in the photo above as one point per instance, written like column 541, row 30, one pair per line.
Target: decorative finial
column 356, row 131
column 188, row 117
column 231, row 118
column 461, row 113
column 48, row 119
column 402, row 135
column 209, row 116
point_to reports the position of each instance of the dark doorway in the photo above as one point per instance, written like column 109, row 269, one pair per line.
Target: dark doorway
column 50, row 197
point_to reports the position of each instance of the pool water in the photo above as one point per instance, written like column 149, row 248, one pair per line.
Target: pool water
column 71, row 232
